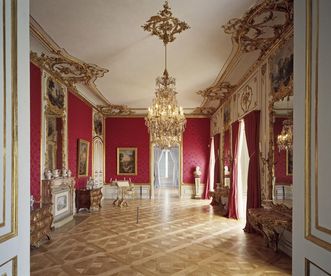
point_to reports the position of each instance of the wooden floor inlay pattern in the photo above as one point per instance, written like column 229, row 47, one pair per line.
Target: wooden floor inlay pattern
column 173, row 237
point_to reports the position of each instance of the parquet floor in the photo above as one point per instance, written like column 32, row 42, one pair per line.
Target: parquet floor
column 172, row 237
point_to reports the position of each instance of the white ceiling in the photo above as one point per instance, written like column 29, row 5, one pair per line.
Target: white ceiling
column 108, row 33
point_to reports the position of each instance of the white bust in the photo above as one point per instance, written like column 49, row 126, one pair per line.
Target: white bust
column 197, row 172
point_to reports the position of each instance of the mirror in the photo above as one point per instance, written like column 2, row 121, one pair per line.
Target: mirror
column 227, row 159
column 54, row 142
column 283, row 155
column 55, row 125
column 280, row 157
column 280, row 118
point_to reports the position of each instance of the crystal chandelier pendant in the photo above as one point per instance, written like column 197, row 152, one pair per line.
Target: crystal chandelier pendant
column 165, row 119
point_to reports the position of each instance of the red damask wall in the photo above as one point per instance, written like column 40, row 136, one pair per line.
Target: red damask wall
column 280, row 156
column 127, row 132
column 196, row 139
column 35, row 130
column 79, row 127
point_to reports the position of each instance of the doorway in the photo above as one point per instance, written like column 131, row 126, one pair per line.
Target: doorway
column 166, row 172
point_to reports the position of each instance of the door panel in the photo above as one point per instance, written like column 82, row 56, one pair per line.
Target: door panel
column 14, row 141
column 312, row 136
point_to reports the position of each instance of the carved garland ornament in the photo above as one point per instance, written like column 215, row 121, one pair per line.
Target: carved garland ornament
column 246, row 98
column 261, row 25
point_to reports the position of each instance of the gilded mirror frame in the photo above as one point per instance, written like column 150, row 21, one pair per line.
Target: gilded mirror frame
column 54, row 105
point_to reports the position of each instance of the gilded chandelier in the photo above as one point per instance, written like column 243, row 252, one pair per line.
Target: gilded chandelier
column 285, row 138
column 165, row 119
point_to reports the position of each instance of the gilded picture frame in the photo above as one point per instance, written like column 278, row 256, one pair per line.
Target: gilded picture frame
column 83, row 157
column 282, row 67
column 289, row 162
column 127, row 161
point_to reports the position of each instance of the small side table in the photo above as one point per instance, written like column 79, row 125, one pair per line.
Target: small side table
column 88, row 198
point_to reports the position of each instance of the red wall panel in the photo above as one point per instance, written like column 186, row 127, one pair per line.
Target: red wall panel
column 127, row 132
column 79, row 127
column 196, row 139
column 35, row 130
column 280, row 156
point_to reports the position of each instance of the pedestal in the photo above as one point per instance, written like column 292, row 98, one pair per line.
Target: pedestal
column 197, row 188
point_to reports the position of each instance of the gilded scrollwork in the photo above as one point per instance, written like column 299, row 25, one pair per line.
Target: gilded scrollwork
column 165, row 25
column 115, row 110
column 68, row 69
column 218, row 92
column 261, row 25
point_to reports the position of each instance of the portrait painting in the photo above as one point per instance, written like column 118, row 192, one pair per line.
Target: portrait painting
column 289, row 162
column 55, row 93
column 83, row 157
column 282, row 67
column 126, row 161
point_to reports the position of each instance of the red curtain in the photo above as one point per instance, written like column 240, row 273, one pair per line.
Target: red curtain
column 252, row 131
column 233, row 195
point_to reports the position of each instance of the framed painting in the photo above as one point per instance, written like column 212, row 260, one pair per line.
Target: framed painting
column 127, row 161
column 289, row 162
column 55, row 93
column 83, row 157
column 282, row 67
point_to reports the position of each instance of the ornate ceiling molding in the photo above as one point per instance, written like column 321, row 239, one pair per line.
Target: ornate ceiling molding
column 165, row 25
column 261, row 25
column 69, row 70
column 263, row 28
column 206, row 111
column 65, row 67
column 114, row 110
column 216, row 93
